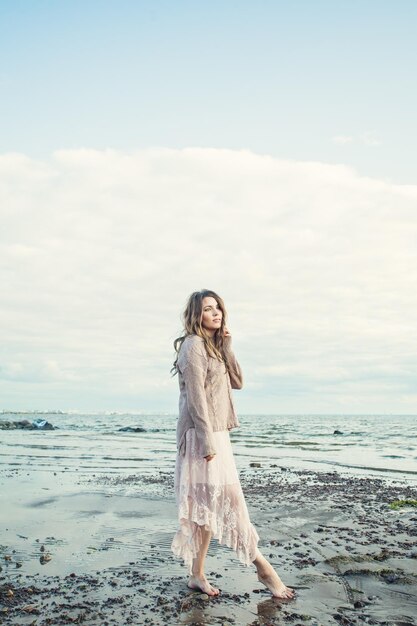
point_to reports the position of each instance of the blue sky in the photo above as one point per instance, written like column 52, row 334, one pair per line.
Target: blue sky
column 279, row 78
column 265, row 150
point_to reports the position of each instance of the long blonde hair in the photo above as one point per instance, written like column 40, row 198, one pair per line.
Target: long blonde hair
column 192, row 317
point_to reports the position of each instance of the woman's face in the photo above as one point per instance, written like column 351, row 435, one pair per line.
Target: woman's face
column 212, row 315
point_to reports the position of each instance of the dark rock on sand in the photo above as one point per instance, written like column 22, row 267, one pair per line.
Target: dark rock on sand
column 26, row 425
column 337, row 432
column 132, row 429
column 45, row 558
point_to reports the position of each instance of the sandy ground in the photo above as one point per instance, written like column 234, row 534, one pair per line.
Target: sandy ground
column 96, row 550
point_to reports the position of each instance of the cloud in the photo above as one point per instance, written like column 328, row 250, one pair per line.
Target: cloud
column 100, row 249
column 342, row 139
column 368, row 138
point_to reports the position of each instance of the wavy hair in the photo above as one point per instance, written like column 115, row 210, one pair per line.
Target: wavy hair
column 192, row 317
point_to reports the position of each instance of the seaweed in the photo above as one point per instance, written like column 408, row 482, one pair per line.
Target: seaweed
column 400, row 503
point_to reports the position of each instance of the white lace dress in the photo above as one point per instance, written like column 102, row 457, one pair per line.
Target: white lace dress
column 209, row 494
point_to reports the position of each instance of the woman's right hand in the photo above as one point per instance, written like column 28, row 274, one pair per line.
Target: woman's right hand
column 209, row 457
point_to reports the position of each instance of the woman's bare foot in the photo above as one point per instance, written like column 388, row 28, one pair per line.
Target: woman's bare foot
column 270, row 579
column 202, row 584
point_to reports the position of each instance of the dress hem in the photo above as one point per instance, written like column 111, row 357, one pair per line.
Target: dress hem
column 187, row 540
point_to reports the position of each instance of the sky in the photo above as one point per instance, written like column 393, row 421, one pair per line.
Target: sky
column 264, row 150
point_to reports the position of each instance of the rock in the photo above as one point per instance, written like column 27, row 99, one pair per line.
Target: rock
column 359, row 604
column 132, row 429
column 41, row 424
column 162, row 600
column 26, row 425
column 391, row 578
column 254, row 464
column 337, row 432
column 45, row 558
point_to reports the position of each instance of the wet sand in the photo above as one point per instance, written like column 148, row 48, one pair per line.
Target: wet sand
column 96, row 550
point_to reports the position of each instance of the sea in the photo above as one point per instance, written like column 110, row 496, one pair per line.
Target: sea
column 366, row 445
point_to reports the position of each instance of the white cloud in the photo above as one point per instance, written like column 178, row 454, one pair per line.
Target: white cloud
column 100, row 249
column 368, row 138
column 342, row 139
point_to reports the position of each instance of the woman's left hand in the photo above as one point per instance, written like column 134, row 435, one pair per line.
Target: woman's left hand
column 226, row 332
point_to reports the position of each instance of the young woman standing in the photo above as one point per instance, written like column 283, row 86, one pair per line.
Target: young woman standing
column 207, row 488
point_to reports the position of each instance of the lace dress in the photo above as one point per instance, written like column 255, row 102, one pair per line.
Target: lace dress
column 209, row 494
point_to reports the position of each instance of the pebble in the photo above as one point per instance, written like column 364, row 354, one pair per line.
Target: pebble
column 45, row 558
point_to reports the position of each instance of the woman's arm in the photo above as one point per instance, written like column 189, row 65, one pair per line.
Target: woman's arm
column 193, row 364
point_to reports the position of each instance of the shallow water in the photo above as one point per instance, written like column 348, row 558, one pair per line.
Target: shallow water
column 90, row 498
column 92, row 443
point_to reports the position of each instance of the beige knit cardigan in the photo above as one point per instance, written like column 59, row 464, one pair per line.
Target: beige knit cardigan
column 206, row 402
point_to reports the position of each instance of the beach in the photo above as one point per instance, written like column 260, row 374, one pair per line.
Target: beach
column 86, row 539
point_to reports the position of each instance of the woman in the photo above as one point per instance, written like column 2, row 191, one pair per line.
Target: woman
column 207, row 487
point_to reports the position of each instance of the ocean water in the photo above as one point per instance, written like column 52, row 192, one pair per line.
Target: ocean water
column 383, row 445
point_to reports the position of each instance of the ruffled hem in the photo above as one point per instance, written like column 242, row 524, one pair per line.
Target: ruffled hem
column 187, row 541
column 236, row 532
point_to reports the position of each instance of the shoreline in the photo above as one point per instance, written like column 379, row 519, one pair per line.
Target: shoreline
column 333, row 538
